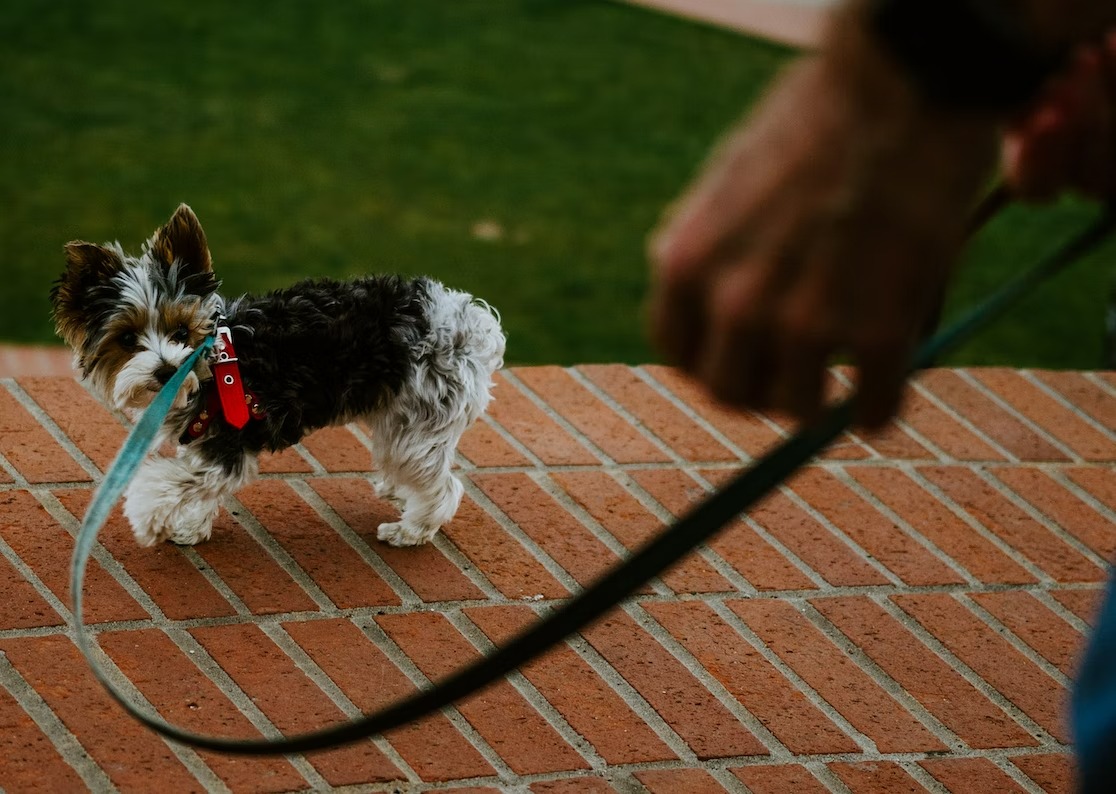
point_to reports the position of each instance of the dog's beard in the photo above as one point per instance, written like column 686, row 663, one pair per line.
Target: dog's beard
column 136, row 385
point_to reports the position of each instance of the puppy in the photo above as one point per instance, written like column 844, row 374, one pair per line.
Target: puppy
column 412, row 358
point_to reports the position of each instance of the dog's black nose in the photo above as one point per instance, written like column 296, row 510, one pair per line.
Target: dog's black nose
column 165, row 373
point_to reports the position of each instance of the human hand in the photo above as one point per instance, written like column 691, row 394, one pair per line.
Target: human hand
column 1067, row 139
column 824, row 225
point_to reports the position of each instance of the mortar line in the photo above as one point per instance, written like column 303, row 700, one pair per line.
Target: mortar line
column 54, row 431
column 764, row 735
column 972, row 522
column 883, row 679
column 319, row 678
column 194, row 651
column 949, row 411
column 531, row 694
column 939, row 648
column 1013, row 639
column 396, row 655
column 551, row 412
column 398, row 585
column 64, row 741
column 994, row 397
column 705, row 551
column 631, row 419
column 866, row 743
column 1030, row 376
column 842, row 475
column 1037, row 515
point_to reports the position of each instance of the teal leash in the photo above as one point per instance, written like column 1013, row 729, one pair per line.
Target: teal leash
column 696, row 527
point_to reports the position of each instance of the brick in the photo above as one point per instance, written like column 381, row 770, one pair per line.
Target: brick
column 1054, row 773
column 30, row 448
column 501, row 558
column 995, row 422
column 1099, row 482
column 894, row 442
column 21, row 606
column 921, row 672
column 706, row 725
column 1037, row 625
column 738, row 544
column 1085, row 604
column 291, row 701
column 814, row 543
column 609, row 431
column 871, row 530
column 751, row 679
column 781, row 779
column 425, row 569
column 1051, row 415
column 333, row 564
column 670, row 781
column 338, row 449
column 31, row 762
column 747, row 430
column 943, row 431
column 84, row 420
column 938, row 524
column 1012, row 525
column 164, row 573
column 1085, row 396
column 46, row 547
column 565, row 539
column 837, row 678
column 583, row 698
column 484, row 447
column 614, row 508
column 250, row 572
column 689, row 440
column 962, row 775
column 432, row 746
column 1062, row 507
column 285, row 461
column 534, row 429
column 128, row 753
column 876, row 777
column 991, row 657
column 510, row 725
column 184, row 696
column 582, row 783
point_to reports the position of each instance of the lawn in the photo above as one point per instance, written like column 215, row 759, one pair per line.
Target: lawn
column 519, row 149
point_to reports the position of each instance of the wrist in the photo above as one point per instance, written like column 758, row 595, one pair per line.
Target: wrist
column 962, row 56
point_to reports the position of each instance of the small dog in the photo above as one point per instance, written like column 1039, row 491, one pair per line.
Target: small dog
column 411, row 357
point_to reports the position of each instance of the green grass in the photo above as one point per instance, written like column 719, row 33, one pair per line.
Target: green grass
column 348, row 137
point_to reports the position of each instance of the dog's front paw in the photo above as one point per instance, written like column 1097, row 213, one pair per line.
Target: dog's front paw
column 400, row 533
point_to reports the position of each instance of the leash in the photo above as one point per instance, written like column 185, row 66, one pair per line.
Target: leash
column 700, row 524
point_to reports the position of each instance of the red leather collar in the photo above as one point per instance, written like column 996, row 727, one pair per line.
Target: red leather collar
column 226, row 396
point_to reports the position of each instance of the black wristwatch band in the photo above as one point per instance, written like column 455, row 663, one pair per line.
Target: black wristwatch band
column 962, row 54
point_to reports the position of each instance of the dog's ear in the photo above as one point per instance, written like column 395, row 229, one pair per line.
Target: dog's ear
column 89, row 268
column 182, row 240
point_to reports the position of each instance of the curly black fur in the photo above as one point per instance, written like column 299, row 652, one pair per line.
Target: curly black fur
column 316, row 352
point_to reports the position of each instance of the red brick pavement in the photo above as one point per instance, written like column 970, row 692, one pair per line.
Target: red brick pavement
column 903, row 616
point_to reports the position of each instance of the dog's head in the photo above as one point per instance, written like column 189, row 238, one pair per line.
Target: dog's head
column 132, row 321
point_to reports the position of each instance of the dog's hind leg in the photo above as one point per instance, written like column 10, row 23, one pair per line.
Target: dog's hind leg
column 416, row 470
column 177, row 499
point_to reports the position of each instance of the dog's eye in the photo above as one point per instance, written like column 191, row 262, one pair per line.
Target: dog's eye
column 181, row 334
column 128, row 340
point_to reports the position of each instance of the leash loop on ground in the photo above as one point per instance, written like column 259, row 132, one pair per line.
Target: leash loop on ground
column 700, row 524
